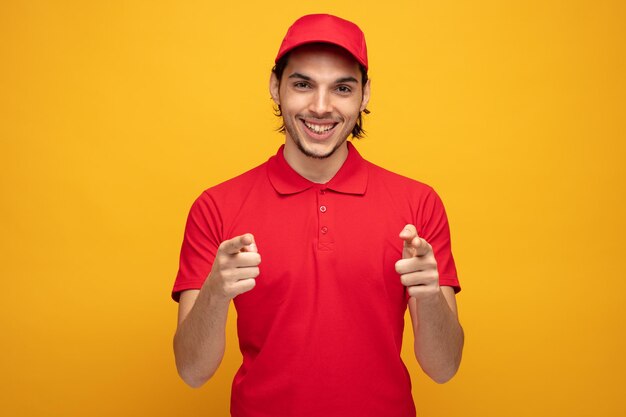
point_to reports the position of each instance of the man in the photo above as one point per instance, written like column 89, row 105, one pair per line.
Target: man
column 321, row 252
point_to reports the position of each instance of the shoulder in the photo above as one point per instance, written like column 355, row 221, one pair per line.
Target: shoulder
column 404, row 194
column 382, row 177
column 230, row 195
column 238, row 186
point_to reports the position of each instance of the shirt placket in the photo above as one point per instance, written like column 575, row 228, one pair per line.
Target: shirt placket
column 325, row 216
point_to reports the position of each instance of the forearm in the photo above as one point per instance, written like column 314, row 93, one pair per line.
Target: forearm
column 438, row 337
column 199, row 341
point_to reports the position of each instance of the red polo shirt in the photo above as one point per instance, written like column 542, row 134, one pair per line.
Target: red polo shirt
column 321, row 332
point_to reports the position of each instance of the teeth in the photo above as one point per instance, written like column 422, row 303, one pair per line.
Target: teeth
column 319, row 128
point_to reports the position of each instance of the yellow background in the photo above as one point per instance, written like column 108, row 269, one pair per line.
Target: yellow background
column 115, row 115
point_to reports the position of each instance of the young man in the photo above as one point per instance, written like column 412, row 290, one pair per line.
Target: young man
column 321, row 252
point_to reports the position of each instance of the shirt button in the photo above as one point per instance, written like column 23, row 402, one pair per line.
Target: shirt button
column 323, row 209
column 324, row 230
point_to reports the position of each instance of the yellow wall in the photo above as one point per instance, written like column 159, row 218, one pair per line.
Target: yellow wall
column 115, row 115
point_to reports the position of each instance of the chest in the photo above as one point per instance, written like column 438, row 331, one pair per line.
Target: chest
column 320, row 243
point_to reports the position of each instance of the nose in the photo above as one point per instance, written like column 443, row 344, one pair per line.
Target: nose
column 321, row 104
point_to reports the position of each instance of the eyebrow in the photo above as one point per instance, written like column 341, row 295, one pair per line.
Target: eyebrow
column 298, row 75
column 347, row 80
column 337, row 81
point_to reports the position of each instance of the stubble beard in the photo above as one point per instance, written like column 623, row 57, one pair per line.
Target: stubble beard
column 293, row 134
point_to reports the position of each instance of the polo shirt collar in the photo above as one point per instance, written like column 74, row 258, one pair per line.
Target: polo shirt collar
column 350, row 179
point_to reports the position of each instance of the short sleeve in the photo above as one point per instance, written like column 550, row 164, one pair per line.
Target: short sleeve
column 434, row 227
column 200, row 242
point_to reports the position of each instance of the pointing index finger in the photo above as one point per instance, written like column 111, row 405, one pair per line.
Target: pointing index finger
column 239, row 243
column 408, row 233
column 413, row 244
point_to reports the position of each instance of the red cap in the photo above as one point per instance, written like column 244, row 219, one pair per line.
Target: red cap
column 325, row 28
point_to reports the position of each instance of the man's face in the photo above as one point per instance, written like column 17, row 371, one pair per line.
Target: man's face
column 320, row 95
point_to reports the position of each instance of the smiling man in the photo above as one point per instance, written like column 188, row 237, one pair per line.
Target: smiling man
column 322, row 252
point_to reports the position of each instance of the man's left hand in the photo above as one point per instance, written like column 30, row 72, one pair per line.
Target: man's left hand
column 418, row 267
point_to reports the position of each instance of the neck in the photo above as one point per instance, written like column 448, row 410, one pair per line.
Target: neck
column 317, row 170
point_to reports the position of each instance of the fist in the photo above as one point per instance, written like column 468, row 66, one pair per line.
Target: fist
column 418, row 267
column 235, row 267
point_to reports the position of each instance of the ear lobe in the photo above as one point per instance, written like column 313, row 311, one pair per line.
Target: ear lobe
column 274, row 87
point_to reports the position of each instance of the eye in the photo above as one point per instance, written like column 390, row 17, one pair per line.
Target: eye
column 301, row 85
column 344, row 89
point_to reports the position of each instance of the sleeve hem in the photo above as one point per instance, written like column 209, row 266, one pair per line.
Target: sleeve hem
column 450, row 281
column 184, row 287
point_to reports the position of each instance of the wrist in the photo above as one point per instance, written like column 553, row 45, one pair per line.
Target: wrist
column 430, row 298
column 213, row 296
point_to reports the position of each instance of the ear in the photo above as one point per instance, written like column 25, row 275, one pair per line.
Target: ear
column 274, row 87
column 366, row 95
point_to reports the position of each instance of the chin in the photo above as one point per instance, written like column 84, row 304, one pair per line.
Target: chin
column 324, row 153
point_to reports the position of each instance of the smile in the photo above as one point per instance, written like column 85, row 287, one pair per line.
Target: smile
column 319, row 128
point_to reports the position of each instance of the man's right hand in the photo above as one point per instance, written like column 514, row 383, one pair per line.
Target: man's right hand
column 199, row 341
column 235, row 267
